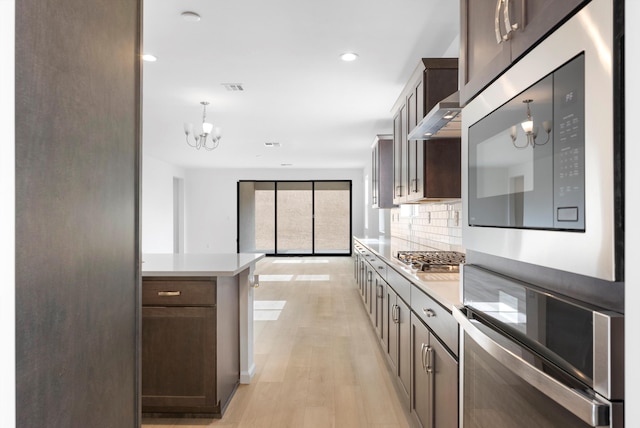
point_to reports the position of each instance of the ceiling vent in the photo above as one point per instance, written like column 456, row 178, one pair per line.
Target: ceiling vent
column 271, row 144
column 233, row 87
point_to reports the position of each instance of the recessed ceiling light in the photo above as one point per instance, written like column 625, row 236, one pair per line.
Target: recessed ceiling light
column 349, row 56
column 149, row 58
column 190, row 16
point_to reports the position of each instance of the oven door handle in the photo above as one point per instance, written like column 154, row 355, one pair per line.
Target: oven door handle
column 591, row 411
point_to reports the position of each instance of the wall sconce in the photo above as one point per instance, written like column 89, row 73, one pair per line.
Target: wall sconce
column 530, row 132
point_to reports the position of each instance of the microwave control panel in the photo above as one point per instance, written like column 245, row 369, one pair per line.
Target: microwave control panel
column 569, row 145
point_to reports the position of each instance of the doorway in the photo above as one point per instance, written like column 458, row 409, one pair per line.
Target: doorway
column 294, row 217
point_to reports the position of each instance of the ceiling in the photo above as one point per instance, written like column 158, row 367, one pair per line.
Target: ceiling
column 297, row 91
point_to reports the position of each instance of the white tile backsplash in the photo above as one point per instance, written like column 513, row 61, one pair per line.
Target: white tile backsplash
column 429, row 226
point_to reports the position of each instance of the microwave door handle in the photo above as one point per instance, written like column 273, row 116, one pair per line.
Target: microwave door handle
column 589, row 410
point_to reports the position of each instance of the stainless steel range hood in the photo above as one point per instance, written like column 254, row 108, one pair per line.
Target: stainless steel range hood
column 443, row 121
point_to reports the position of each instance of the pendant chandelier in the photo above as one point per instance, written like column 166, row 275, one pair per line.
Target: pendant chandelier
column 200, row 138
column 530, row 132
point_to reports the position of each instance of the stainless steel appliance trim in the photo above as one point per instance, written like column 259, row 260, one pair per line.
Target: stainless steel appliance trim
column 608, row 354
column 591, row 411
column 591, row 253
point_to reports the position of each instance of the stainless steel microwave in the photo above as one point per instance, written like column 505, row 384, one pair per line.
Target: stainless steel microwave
column 526, row 158
column 539, row 153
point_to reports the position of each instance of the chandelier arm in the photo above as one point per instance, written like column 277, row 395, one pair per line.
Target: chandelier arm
column 513, row 141
column 215, row 142
column 189, row 143
column 542, row 144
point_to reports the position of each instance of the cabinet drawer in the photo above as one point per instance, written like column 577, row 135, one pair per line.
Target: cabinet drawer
column 178, row 292
column 378, row 265
column 400, row 285
column 437, row 318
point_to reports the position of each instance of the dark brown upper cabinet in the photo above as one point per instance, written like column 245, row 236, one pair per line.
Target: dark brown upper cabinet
column 416, row 162
column 494, row 34
column 382, row 172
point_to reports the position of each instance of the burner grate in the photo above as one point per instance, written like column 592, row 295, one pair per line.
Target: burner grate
column 433, row 261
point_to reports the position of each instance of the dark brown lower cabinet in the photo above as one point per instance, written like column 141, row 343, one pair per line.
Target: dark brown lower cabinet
column 190, row 347
column 381, row 316
column 434, row 383
column 399, row 342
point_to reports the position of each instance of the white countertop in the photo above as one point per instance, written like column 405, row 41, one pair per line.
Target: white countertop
column 442, row 287
column 197, row 264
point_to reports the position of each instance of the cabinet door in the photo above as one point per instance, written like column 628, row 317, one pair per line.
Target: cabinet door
column 386, row 320
column 404, row 348
column 371, row 294
column 178, row 359
column 421, row 393
column 412, row 146
column 381, row 291
column 374, row 175
column 482, row 56
column 361, row 275
column 400, row 156
column 418, row 186
column 445, row 385
column 442, row 169
column 394, row 330
column 535, row 19
column 367, row 287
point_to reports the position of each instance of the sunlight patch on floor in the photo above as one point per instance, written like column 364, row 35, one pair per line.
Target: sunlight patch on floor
column 312, row 278
column 267, row 310
column 274, row 278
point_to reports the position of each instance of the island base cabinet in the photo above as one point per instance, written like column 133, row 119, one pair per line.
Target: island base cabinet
column 434, row 382
column 177, row 371
column 190, row 358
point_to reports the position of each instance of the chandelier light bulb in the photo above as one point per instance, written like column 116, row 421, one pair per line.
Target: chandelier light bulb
column 527, row 126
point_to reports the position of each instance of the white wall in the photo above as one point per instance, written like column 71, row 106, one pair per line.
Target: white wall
column 7, row 213
column 632, row 226
column 211, row 202
column 157, row 205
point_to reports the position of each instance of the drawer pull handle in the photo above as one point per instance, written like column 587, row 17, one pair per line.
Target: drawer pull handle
column 380, row 267
column 169, row 293
column 429, row 312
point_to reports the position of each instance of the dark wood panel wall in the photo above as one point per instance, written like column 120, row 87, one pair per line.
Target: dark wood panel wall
column 77, row 192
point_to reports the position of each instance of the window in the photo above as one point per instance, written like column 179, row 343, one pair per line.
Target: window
column 294, row 217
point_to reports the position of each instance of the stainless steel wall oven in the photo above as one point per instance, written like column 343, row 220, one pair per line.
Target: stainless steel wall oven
column 535, row 359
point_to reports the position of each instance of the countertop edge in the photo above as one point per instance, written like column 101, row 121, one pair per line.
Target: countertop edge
column 205, row 273
column 421, row 284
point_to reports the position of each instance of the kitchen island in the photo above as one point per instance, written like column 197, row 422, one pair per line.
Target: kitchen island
column 197, row 331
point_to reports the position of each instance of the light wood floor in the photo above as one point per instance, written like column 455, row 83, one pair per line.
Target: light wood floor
column 319, row 364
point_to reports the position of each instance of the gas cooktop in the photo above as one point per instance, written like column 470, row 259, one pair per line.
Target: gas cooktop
column 432, row 261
